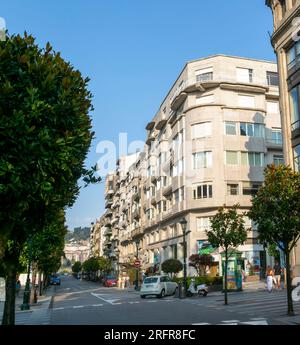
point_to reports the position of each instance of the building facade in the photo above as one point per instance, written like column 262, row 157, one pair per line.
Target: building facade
column 207, row 146
column 286, row 43
column 77, row 251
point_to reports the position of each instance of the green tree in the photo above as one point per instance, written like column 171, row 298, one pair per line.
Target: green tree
column 172, row 266
column 227, row 232
column 276, row 211
column 200, row 262
column 105, row 265
column 91, row 265
column 45, row 134
column 76, row 268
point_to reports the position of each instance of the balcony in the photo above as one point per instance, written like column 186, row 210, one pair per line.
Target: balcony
column 274, row 144
column 167, row 190
column 150, row 126
column 108, row 213
column 138, row 232
column 153, row 200
column 161, row 123
column 109, row 193
column 108, row 203
column 136, row 214
column 136, row 195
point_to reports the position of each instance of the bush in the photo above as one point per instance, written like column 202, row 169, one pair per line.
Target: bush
column 172, row 266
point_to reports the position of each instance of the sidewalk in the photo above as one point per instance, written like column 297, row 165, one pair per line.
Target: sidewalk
column 38, row 314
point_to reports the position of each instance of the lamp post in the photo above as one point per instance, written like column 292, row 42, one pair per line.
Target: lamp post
column 183, row 223
column 26, row 298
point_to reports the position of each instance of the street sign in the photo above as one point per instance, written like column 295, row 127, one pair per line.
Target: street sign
column 137, row 263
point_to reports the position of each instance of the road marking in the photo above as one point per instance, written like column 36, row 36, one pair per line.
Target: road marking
column 97, row 305
column 200, row 324
column 229, row 321
column 151, row 301
column 226, row 324
column 78, row 306
column 255, row 323
column 133, row 302
column 110, row 301
column 59, row 308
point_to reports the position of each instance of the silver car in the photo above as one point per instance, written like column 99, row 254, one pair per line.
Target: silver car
column 159, row 286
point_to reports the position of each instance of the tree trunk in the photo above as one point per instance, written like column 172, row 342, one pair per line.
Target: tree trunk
column 10, row 297
column 225, row 277
column 289, row 285
column 33, row 281
column 40, row 283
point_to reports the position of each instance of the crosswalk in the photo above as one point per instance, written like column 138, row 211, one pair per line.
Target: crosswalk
column 259, row 304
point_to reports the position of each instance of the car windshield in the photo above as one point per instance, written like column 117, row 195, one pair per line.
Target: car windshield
column 110, row 277
column 150, row 280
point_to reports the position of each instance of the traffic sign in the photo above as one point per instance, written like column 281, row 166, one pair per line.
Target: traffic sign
column 137, row 263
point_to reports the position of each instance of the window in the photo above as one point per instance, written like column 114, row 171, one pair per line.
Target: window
column 203, row 224
column 253, row 158
column 176, row 197
column 150, row 213
column 231, row 157
column 246, row 101
column 230, row 128
column 162, row 158
column 174, row 251
column 204, row 74
column 278, row 160
column 272, row 108
column 201, row 130
column 150, row 171
column 297, row 158
column 251, row 188
column 203, row 191
column 272, row 79
column 204, row 99
column 295, row 107
column 164, row 181
column 232, row 189
column 283, row 7
column 252, row 129
column 202, row 160
column 244, row 75
column 293, row 55
column 158, row 184
column 277, row 136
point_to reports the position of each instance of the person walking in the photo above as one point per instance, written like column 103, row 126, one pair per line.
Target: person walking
column 18, row 288
column 270, row 275
column 277, row 274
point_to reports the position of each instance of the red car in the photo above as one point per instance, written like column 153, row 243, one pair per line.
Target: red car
column 110, row 281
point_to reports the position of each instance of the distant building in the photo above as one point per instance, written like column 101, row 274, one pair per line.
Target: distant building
column 77, row 251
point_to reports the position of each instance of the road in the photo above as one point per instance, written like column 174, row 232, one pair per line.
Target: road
column 87, row 303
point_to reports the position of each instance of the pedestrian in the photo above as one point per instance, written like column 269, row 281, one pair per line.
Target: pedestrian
column 18, row 288
column 270, row 275
column 277, row 274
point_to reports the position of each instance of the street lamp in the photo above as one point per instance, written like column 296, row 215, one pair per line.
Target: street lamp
column 26, row 297
column 183, row 223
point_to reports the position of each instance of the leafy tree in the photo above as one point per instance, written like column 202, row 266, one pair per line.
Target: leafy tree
column 91, row 265
column 276, row 211
column 200, row 262
column 172, row 266
column 45, row 134
column 105, row 264
column 76, row 268
column 228, row 232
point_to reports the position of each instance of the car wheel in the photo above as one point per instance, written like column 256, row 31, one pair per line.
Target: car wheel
column 143, row 296
column 162, row 294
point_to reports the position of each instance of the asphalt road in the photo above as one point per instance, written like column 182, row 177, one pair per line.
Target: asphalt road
column 87, row 303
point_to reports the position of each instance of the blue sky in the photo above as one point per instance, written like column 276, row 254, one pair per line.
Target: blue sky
column 133, row 50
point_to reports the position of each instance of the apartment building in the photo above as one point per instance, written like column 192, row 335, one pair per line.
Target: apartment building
column 206, row 146
column 286, row 43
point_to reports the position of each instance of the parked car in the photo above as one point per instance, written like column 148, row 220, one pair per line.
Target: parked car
column 54, row 280
column 110, row 281
column 159, row 286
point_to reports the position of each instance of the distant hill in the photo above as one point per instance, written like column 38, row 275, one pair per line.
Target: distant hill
column 79, row 234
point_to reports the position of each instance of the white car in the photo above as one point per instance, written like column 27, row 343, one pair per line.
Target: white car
column 159, row 286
